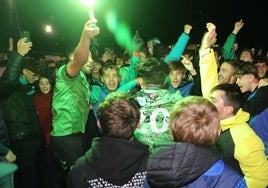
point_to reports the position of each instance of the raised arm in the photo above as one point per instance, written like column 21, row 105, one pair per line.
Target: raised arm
column 207, row 62
column 228, row 47
column 16, row 62
column 82, row 50
column 178, row 49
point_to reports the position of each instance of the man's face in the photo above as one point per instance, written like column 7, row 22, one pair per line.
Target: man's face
column 119, row 62
column 217, row 100
column 262, row 69
column 111, row 79
column 226, row 74
column 246, row 56
column 244, row 82
column 30, row 76
column 96, row 68
column 176, row 76
column 88, row 66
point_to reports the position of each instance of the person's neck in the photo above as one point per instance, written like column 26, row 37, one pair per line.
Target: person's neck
column 254, row 85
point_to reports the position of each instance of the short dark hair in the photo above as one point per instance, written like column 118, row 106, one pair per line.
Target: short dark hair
column 160, row 51
column 195, row 120
column 247, row 50
column 153, row 71
column 176, row 66
column 119, row 115
column 107, row 66
column 34, row 66
column 247, row 68
column 233, row 62
column 232, row 97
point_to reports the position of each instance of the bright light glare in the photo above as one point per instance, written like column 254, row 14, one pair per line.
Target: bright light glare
column 88, row 3
column 48, row 28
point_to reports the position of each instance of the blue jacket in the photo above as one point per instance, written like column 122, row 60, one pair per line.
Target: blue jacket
column 260, row 126
column 187, row 165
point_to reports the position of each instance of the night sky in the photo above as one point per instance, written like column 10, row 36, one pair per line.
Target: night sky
column 152, row 18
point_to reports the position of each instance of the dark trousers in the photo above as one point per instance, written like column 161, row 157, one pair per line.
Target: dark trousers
column 30, row 160
column 64, row 150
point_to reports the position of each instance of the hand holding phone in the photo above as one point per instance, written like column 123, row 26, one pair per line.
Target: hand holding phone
column 25, row 34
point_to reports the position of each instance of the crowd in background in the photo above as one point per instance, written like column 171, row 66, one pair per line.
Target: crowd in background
column 158, row 115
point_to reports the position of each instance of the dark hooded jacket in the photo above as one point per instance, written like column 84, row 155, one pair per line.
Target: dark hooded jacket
column 111, row 162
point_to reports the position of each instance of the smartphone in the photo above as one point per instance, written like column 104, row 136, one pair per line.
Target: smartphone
column 25, row 34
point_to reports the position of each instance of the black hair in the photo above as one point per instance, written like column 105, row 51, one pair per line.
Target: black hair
column 232, row 97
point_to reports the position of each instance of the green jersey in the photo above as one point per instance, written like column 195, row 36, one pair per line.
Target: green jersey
column 156, row 105
column 70, row 103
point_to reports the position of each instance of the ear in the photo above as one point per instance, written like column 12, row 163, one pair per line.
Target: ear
column 98, row 124
column 251, row 77
column 102, row 79
column 232, row 80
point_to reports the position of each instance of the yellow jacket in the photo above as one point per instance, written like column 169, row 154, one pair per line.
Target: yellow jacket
column 248, row 147
column 208, row 71
column 249, row 150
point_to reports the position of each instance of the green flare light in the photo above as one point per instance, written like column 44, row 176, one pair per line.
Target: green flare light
column 120, row 30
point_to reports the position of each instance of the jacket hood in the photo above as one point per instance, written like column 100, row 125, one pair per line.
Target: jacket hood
column 176, row 165
column 240, row 118
column 122, row 157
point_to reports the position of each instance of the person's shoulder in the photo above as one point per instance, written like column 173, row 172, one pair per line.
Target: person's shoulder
column 263, row 89
column 61, row 70
column 245, row 137
column 95, row 87
column 242, row 127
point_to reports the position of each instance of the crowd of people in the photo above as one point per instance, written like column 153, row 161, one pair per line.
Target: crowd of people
column 153, row 116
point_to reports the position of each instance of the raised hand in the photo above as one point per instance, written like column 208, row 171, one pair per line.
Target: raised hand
column 23, row 47
column 137, row 42
column 90, row 31
column 237, row 26
column 210, row 37
column 188, row 65
column 10, row 156
column 187, row 28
